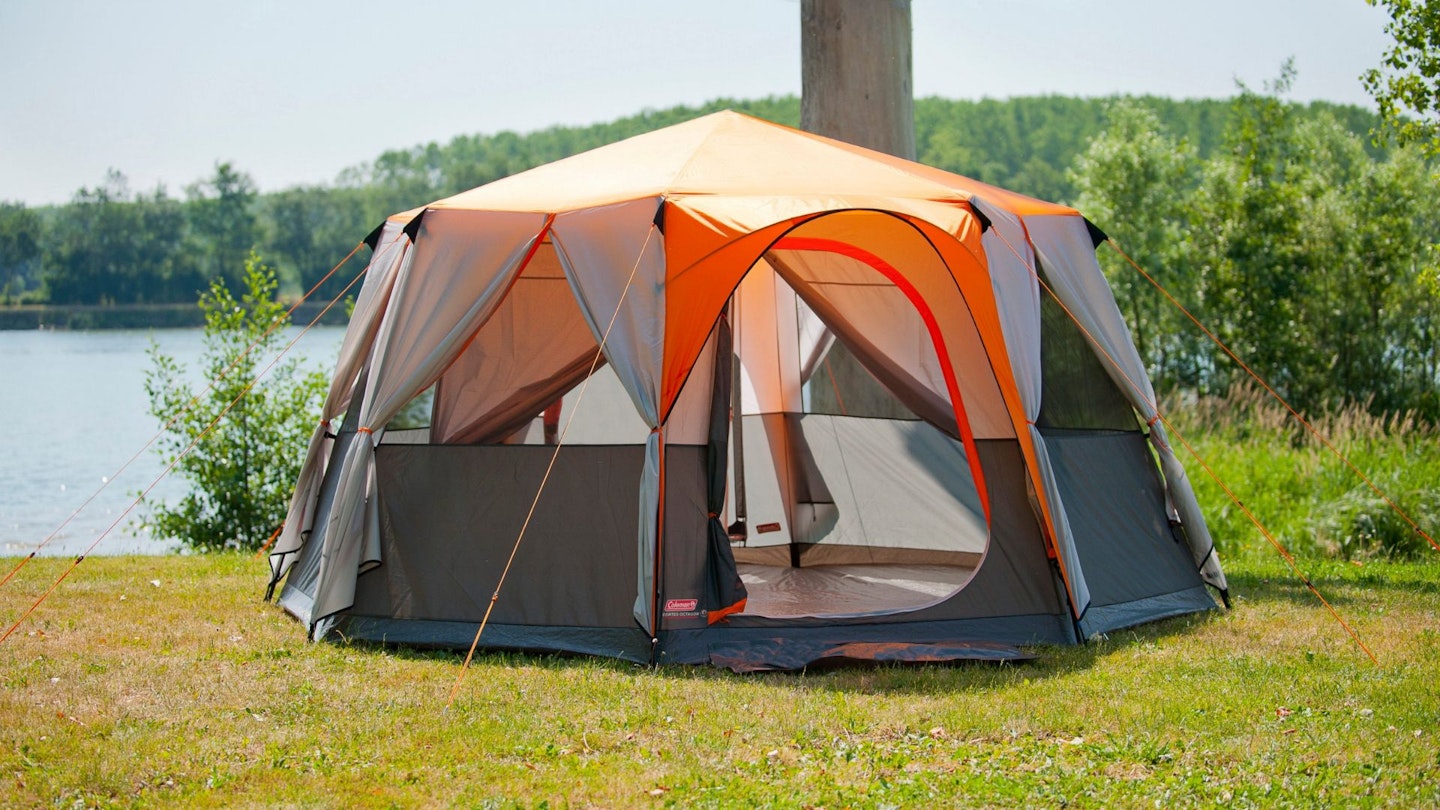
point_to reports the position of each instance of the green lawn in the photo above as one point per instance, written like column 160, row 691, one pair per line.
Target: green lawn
column 165, row 681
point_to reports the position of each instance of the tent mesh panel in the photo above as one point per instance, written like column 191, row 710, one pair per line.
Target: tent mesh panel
column 842, row 387
column 1078, row 393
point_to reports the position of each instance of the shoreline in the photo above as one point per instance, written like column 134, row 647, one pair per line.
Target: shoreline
column 31, row 317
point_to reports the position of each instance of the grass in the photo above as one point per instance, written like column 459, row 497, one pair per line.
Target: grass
column 1308, row 498
column 166, row 682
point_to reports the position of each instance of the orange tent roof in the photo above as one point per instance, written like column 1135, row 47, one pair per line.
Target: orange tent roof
column 728, row 153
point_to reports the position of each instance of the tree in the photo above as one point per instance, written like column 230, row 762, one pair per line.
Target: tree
column 19, row 250
column 1378, row 314
column 1407, row 84
column 87, row 252
column 1254, row 269
column 166, row 273
column 856, row 80
column 1134, row 181
column 309, row 229
column 223, row 225
column 240, row 443
column 856, row 73
column 109, row 246
column 1312, row 257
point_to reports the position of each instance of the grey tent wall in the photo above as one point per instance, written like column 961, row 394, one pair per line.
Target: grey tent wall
column 1138, row 569
column 864, row 490
column 686, row 559
column 297, row 595
column 450, row 516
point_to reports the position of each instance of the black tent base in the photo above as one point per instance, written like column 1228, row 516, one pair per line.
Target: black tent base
column 790, row 655
column 753, row 653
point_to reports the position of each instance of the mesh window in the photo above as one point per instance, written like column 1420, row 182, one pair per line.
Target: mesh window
column 416, row 413
column 603, row 415
column 1076, row 392
column 842, row 387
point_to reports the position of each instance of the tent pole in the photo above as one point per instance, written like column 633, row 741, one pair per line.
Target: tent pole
column 737, row 530
column 1057, row 578
column 656, row 586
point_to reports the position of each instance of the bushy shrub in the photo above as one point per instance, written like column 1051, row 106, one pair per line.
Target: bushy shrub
column 239, row 443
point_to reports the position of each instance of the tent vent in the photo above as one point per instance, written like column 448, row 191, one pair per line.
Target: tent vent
column 413, row 226
column 373, row 238
column 980, row 215
column 1096, row 235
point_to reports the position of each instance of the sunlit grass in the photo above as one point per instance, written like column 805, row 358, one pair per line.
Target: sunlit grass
column 165, row 681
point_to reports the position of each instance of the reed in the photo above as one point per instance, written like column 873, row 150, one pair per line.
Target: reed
column 1297, row 485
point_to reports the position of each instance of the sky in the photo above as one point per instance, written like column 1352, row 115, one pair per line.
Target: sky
column 294, row 92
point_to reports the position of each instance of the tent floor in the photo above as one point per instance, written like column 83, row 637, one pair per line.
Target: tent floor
column 779, row 592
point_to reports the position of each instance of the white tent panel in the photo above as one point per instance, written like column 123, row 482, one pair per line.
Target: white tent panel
column 391, row 251
column 614, row 256
column 461, row 267
column 768, row 334
column 535, row 346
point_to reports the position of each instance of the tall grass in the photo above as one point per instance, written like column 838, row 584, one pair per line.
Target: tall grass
column 1311, row 501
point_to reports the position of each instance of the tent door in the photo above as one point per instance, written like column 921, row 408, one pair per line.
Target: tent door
column 853, row 505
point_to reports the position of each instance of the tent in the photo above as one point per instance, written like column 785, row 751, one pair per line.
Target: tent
column 811, row 401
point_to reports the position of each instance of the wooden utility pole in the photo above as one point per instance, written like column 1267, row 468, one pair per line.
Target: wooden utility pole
column 856, row 73
column 856, row 86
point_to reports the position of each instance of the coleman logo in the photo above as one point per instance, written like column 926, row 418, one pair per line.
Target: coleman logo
column 765, row 528
column 681, row 605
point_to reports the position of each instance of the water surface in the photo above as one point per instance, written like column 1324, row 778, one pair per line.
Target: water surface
column 74, row 411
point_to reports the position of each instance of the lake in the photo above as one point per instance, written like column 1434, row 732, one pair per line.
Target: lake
column 74, row 409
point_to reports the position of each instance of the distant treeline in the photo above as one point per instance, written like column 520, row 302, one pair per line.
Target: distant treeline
column 115, row 245
column 1305, row 247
